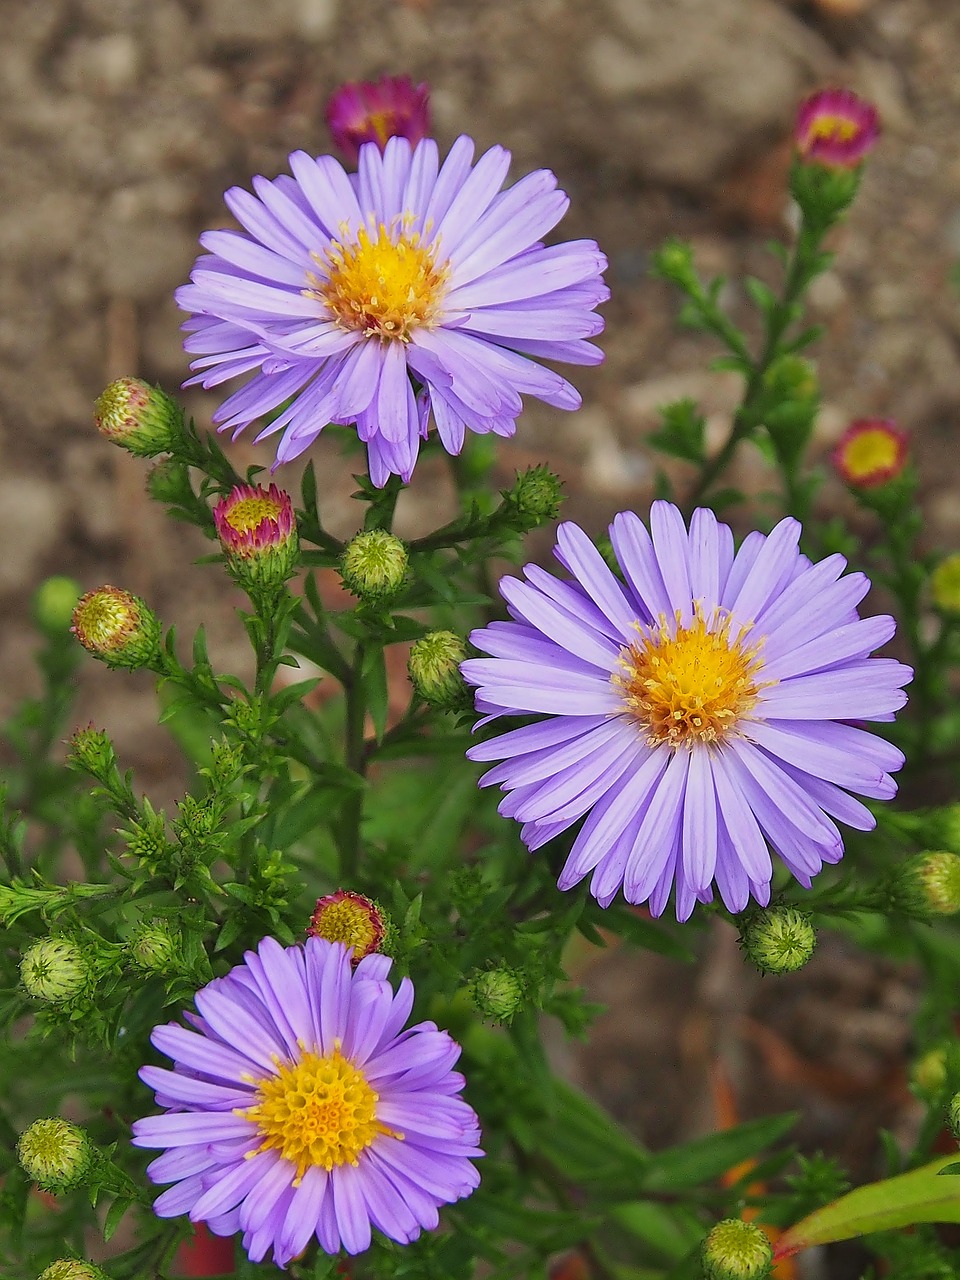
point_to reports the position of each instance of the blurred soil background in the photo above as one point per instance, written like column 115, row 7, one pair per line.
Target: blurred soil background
column 121, row 123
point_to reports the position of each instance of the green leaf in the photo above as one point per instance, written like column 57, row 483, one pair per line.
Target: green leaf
column 682, row 433
column 704, row 1159
column 114, row 1214
column 639, row 931
column 374, row 677
column 670, row 1232
column 922, row 1195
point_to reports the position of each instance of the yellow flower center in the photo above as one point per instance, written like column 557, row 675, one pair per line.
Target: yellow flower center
column 250, row 513
column 869, row 452
column 834, row 128
column 104, row 619
column 689, row 685
column 386, row 286
column 317, row 1111
column 348, row 922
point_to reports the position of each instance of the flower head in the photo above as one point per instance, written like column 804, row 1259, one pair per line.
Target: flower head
column 836, row 129
column 377, row 110
column 374, row 565
column 117, row 628
column 299, row 1106
column 349, row 918
column 736, row 1250
column 434, row 670
column 341, row 290
column 72, row 1269
column 56, row 1154
column 870, row 452
column 779, row 939
column 930, row 882
column 945, row 584
column 54, row 969
column 155, row 947
column 696, row 712
column 497, row 993
column 258, row 533
column 142, row 419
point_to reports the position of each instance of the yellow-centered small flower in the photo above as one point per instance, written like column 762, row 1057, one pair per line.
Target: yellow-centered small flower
column 117, row 627
column 141, row 419
column 349, row 918
column 870, row 453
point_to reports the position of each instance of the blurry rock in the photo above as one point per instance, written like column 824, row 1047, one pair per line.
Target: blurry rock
column 246, row 21
column 101, row 65
column 31, row 520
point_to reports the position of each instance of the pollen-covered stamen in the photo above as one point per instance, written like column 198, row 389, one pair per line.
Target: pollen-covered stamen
column 385, row 285
column 834, row 128
column 319, row 1110
column 689, row 685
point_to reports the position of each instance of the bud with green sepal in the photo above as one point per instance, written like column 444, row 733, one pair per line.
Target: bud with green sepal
column 72, row 1269
column 374, row 566
column 497, row 993
column 353, row 920
column 56, row 970
column 736, row 1250
column 434, row 670
column 945, row 584
column 258, row 534
column 140, row 418
column 928, row 884
column 156, row 947
column 118, row 628
column 535, row 498
column 57, row 1155
column 935, row 1075
column 778, row 939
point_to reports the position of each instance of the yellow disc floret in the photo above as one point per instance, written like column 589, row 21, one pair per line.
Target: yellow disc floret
column 317, row 1111
column 384, row 282
column 834, row 128
column 250, row 513
column 689, row 685
column 872, row 451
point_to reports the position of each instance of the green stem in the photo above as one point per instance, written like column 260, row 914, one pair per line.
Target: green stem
column 356, row 760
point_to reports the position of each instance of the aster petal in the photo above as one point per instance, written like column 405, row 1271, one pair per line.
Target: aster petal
column 231, row 1021
column 671, row 547
column 546, row 271
column 821, row 759
column 739, row 821
column 578, row 554
column 704, row 559
column 475, row 196
column 424, row 166
column 453, row 173
column 303, row 1213
column 773, row 559
column 231, row 1187
column 188, row 1090
column 858, row 691
column 577, row 638
column 328, row 191
column 352, row 1218
column 659, row 834
column 263, row 225
column 699, row 851
column 187, row 1128
column 216, row 1061
column 832, row 648
column 636, row 556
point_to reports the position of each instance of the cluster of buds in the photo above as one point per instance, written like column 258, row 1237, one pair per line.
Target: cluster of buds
column 352, row 919
column 871, row 453
column 434, row 670
column 141, row 419
column 778, row 939
column 536, row 497
column 377, row 110
column 374, row 566
column 258, row 534
column 118, row 628
column 56, row 1155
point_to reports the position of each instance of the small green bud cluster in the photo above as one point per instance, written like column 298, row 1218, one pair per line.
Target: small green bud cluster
column 736, row 1250
column 156, row 947
column 434, row 670
column 56, row 969
column 778, row 939
column 374, row 566
column 56, row 1154
column 497, row 993
column 536, row 497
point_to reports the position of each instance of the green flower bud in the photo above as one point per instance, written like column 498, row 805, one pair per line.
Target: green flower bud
column 945, row 584
column 674, row 261
column 155, row 948
column 117, row 628
column 92, row 751
column 930, row 883
column 73, row 1269
column 54, row 970
column 374, row 566
column 929, row 1073
column 141, row 419
column 56, row 1154
column 434, row 669
column 736, row 1250
column 537, row 496
column 497, row 993
column 53, row 604
column 778, row 939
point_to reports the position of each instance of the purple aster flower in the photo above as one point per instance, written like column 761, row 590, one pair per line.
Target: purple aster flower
column 345, row 294
column 698, row 711
column 376, row 110
column 836, row 128
column 299, row 1106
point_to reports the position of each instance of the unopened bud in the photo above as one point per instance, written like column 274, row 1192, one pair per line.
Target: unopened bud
column 736, row 1250
column 54, row 970
column 349, row 918
column 141, row 419
column 72, row 1269
column 497, row 994
column 155, row 948
column 953, row 1115
column 258, row 533
column 930, row 883
column 434, row 669
column 537, row 496
column 55, row 1154
column 117, row 628
column 778, row 939
column 377, row 110
column 374, row 566
column 53, row 604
